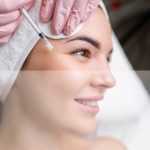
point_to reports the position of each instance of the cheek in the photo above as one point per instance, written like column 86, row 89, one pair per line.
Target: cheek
column 67, row 83
column 48, row 98
column 49, row 92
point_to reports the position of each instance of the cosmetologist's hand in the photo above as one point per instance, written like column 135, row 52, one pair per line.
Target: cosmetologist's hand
column 66, row 15
column 10, row 17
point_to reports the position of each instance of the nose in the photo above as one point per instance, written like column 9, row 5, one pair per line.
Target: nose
column 103, row 78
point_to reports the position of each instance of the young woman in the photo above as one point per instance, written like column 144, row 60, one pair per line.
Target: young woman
column 53, row 102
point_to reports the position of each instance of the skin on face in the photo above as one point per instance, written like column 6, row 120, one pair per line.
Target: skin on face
column 77, row 67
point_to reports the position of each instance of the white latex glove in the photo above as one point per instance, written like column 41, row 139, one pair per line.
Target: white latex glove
column 66, row 14
column 10, row 17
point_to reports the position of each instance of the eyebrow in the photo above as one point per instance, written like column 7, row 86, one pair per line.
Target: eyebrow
column 90, row 40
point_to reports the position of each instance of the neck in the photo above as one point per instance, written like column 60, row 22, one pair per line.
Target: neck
column 17, row 132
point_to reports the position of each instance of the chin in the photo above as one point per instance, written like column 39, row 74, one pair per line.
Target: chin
column 89, row 130
column 86, row 129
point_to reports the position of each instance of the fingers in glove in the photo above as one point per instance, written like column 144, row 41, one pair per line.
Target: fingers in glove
column 61, row 14
column 7, row 6
column 28, row 6
column 92, row 4
column 5, row 39
column 75, row 16
column 9, row 28
column 7, row 18
column 47, row 9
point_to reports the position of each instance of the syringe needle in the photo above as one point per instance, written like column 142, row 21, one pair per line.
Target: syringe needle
column 25, row 13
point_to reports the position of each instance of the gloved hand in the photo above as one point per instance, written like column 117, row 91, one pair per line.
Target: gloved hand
column 10, row 17
column 66, row 14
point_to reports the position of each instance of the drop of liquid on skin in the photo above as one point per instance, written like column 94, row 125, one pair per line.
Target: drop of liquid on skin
column 48, row 44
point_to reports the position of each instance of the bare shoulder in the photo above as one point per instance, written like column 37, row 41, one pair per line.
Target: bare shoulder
column 107, row 143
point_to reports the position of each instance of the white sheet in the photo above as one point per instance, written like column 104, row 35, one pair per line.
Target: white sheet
column 141, row 139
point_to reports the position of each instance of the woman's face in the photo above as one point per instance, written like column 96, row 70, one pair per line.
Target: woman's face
column 76, row 68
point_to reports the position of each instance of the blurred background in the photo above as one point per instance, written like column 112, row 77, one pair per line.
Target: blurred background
column 130, row 21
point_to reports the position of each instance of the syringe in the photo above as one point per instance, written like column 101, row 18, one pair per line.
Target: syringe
column 42, row 36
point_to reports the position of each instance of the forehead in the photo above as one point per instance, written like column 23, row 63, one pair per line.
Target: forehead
column 96, row 27
column 99, row 20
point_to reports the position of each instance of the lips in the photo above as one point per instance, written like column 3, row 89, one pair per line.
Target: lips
column 96, row 98
column 89, row 104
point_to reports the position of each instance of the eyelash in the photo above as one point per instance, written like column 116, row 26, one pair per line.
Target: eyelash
column 109, row 59
column 87, row 53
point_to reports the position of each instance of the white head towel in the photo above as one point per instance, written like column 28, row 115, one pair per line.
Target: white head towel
column 13, row 54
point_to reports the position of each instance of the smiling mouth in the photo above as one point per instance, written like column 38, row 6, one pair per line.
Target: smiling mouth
column 89, row 105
